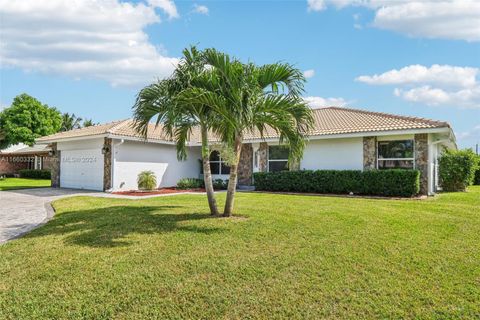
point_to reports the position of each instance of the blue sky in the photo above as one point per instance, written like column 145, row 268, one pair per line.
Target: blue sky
column 416, row 58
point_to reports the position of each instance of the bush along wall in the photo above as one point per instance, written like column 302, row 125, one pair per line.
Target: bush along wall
column 35, row 174
column 457, row 169
column 399, row 183
column 476, row 179
column 194, row 183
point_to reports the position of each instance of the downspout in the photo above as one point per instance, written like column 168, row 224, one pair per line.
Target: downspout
column 114, row 147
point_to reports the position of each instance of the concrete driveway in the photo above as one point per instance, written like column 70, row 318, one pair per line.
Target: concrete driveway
column 24, row 210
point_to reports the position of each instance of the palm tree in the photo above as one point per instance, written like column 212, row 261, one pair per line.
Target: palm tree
column 161, row 101
column 251, row 98
column 70, row 122
column 88, row 123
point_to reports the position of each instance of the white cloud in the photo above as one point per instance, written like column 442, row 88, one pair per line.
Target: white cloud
column 309, row 73
column 319, row 102
column 316, row 5
column 166, row 5
column 436, row 74
column 200, row 9
column 458, row 19
column 435, row 85
column 102, row 39
column 446, row 19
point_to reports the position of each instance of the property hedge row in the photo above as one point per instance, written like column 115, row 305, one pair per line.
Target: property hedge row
column 457, row 169
column 194, row 183
column 476, row 179
column 397, row 182
column 35, row 174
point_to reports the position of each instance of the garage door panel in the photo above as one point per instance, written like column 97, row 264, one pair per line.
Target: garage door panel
column 81, row 169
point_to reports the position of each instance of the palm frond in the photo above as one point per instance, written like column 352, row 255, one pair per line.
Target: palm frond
column 281, row 75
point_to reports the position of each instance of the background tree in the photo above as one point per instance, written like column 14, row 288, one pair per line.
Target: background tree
column 88, row 123
column 70, row 122
column 27, row 119
column 162, row 101
column 250, row 98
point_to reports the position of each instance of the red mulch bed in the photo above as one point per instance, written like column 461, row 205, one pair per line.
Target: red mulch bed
column 154, row 192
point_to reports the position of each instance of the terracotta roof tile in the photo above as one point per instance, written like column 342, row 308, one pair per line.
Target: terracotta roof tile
column 328, row 121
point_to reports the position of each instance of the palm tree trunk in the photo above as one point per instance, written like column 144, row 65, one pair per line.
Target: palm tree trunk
column 207, row 174
column 232, row 182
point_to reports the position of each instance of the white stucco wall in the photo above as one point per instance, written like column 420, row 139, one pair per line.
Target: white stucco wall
column 130, row 158
column 333, row 154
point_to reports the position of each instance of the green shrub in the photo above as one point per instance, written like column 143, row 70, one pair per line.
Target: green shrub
column 190, row 183
column 457, row 169
column 219, row 184
column 35, row 174
column 193, row 183
column 476, row 179
column 397, row 182
column 146, row 180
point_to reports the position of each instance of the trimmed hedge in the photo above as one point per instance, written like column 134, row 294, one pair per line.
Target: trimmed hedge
column 457, row 169
column 190, row 183
column 396, row 182
column 476, row 180
column 194, row 183
column 35, row 174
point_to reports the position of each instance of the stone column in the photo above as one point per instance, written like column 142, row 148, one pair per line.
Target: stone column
column 245, row 166
column 262, row 157
column 369, row 153
column 55, row 166
column 421, row 160
column 107, row 164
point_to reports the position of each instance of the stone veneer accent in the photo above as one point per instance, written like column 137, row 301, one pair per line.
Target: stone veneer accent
column 262, row 157
column 245, row 166
column 107, row 164
column 421, row 160
column 369, row 153
column 55, row 166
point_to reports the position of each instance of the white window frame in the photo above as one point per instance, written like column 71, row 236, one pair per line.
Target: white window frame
column 398, row 159
column 274, row 160
column 220, row 162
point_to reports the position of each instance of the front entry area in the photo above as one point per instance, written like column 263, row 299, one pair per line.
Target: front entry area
column 82, row 169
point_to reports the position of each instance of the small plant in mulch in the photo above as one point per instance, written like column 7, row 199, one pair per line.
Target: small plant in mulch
column 146, row 181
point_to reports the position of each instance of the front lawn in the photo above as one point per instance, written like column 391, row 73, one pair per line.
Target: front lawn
column 22, row 183
column 283, row 256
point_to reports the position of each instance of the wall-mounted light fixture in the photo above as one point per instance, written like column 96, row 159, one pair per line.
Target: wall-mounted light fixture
column 105, row 150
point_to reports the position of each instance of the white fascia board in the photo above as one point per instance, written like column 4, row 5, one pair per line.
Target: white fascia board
column 129, row 138
column 71, row 139
column 361, row 134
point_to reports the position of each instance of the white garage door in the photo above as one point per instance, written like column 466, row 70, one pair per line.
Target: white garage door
column 82, row 169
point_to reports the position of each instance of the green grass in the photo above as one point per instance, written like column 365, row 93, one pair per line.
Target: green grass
column 284, row 256
column 22, row 183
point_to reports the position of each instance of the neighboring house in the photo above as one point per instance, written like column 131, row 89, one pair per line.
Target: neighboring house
column 110, row 156
column 21, row 156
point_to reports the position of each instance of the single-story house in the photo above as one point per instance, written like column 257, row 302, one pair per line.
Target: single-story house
column 21, row 156
column 109, row 156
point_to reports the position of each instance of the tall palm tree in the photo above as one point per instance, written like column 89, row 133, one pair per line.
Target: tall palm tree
column 70, row 122
column 88, row 123
column 251, row 98
column 162, row 102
